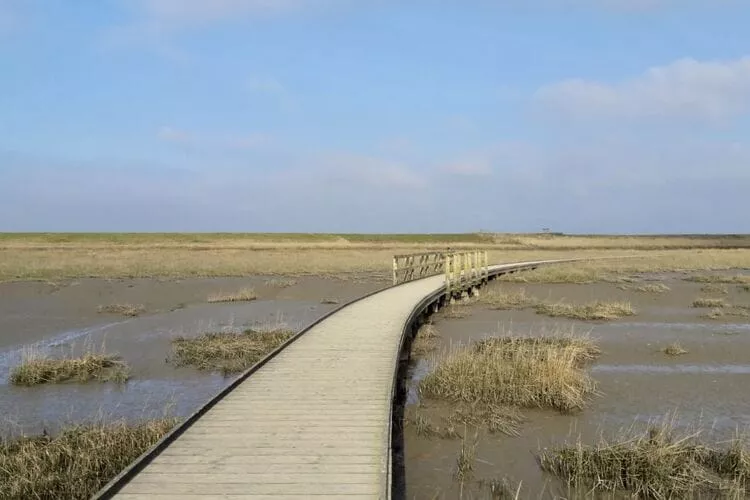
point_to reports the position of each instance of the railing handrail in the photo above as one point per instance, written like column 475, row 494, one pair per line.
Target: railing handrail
column 463, row 269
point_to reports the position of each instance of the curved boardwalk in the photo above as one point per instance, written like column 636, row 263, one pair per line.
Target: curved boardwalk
column 314, row 421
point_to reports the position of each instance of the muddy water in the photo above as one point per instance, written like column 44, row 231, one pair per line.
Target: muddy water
column 707, row 387
column 62, row 319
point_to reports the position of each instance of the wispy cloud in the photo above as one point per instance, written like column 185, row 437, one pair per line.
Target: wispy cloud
column 360, row 170
column 171, row 134
column 709, row 90
column 9, row 16
column 469, row 167
column 155, row 24
column 216, row 141
column 269, row 87
column 196, row 12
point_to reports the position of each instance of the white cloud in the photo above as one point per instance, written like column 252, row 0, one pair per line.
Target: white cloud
column 270, row 87
column 178, row 14
column 469, row 167
column 250, row 141
column 359, row 170
column 171, row 134
column 176, row 135
column 709, row 90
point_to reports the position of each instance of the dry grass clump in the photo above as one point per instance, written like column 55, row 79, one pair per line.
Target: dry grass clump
column 543, row 372
column 714, row 278
column 76, row 463
column 280, row 282
column 467, row 456
column 131, row 310
column 744, row 288
column 501, row 489
column 243, row 295
column 425, row 340
column 498, row 419
column 715, row 288
column 580, row 273
column 714, row 314
column 674, row 349
column 597, row 310
column 709, row 302
column 655, row 464
column 508, row 300
column 37, row 369
column 424, row 427
column 227, row 352
column 456, row 311
column 653, row 288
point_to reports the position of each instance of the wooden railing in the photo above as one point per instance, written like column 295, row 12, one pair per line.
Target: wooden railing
column 409, row 267
column 463, row 270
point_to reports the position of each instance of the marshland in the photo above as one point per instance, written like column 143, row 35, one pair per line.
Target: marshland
column 111, row 338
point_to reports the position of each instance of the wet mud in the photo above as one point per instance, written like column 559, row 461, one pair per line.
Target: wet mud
column 706, row 387
column 62, row 319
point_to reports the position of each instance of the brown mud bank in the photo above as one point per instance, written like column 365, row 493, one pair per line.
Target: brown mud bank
column 62, row 320
column 705, row 387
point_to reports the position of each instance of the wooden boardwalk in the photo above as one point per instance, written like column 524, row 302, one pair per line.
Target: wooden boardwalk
column 313, row 422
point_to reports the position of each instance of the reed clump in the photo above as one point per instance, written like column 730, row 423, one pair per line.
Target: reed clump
column 227, row 352
column 77, row 462
column 592, row 311
column 36, row 368
column 655, row 463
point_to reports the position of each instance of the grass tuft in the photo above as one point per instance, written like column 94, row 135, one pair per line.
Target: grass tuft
column 654, row 464
column 714, row 314
column 712, row 278
column 501, row 489
column 467, row 456
column 543, row 372
column 424, row 427
column 131, row 310
column 498, row 419
column 709, row 302
column 653, row 288
column 37, row 369
column 280, row 282
column 598, row 310
column 227, row 352
column 425, row 340
column 674, row 349
column 565, row 273
column 508, row 300
column 744, row 288
column 456, row 311
column 243, row 295
column 76, row 463
column 715, row 288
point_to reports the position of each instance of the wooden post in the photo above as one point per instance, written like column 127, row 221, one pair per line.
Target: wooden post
column 395, row 271
column 475, row 268
column 447, row 266
column 486, row 267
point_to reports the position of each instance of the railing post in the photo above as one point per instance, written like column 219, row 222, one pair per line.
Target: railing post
column 447, row 266
column 475, row 267
column 395, row 271
column 486, row 267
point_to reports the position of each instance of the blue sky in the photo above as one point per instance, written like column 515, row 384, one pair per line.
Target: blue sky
column 375, row 115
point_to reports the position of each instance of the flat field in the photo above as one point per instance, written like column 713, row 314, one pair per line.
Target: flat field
column 67, row 256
